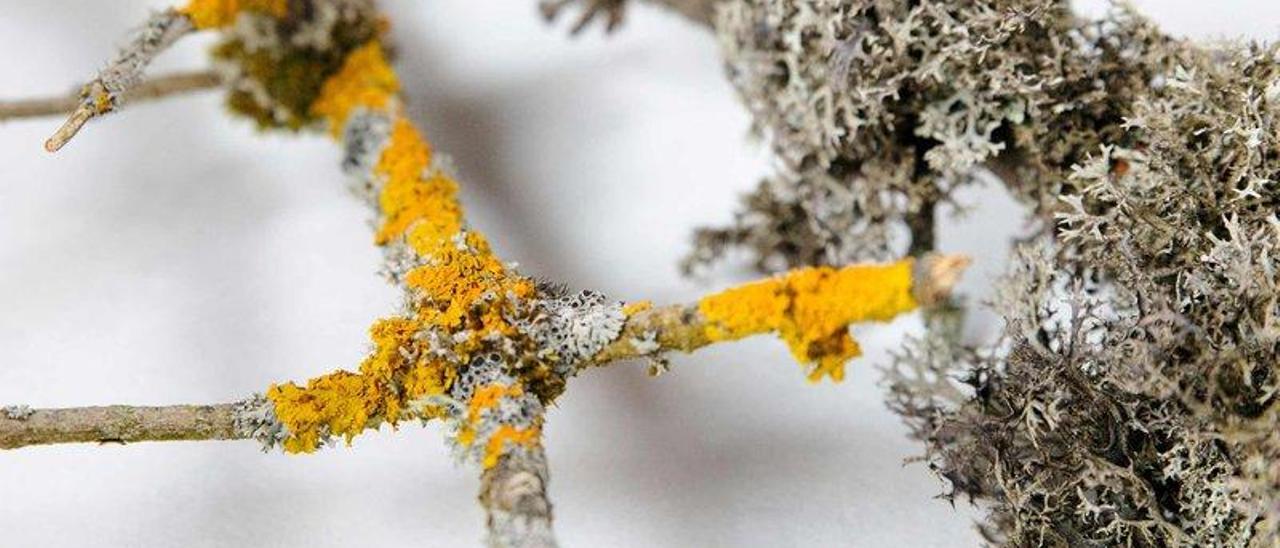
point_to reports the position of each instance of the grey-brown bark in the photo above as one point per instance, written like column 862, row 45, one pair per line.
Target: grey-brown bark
column 118, row 424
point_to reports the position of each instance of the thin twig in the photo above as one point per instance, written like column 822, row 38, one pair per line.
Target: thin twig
column 701, row 12
column 118, row 424
column 683, row 328
column 106, row 91
column 156, row 88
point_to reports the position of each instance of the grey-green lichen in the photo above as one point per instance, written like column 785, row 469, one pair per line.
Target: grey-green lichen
column 1132, row 399
column 17, row 412
column 255, row 418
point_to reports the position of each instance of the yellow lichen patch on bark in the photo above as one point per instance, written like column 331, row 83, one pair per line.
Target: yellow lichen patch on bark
column 811, row 310
column 208, row 14
column 343, row 403
column 464, row 287
column 461, row 290
column 497, row 445
column 633, row 308
column 335, row 403
column 486, row 397
column 407, row 196
column 365, row 80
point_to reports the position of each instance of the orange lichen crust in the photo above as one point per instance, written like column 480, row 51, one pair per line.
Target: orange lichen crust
column 811, row 309
column 636, row 307
column 458, row 290
column 210, row 14
column 506, row 437
column 365, row 80
column 345, row 403
column 486, row 399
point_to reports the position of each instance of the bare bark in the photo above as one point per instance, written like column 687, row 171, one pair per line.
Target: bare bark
column 921, row 224
column 118, row 424
column 155, row 88
column 514, row 496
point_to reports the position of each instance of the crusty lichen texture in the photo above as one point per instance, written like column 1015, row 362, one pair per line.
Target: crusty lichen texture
column 463, row 303
column 209, row 14
column 811, row 310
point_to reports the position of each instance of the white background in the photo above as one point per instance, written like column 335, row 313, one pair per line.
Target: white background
column 171, row 255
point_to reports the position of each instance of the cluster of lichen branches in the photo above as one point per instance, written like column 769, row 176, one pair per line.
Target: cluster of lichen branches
column 479, row 345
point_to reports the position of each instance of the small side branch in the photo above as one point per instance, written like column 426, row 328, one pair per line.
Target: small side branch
column 683, row 328
column 106, row 92
column 701, row 12
column 119, row 424
column 155, row 88
column 922, row 225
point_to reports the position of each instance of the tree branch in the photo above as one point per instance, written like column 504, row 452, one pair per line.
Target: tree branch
column 921, row 223
column 106, row 91
column 680, row 327
column 514, row 496
column 683, row 328
column 155, row 88
column 120, row 424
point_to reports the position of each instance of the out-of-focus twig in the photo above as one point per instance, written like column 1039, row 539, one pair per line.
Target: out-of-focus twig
column 106, row 91
column 152, row 89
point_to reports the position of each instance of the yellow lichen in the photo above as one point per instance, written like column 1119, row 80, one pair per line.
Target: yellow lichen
column 365, row 80
column 462, row 289
column 343, row 403
column 485, row 397
column 633, row 308
column 208, row 14
column 811, row 309
column 102, row 103
column 497, row 445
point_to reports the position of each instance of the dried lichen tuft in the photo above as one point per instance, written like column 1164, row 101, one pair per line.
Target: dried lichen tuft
column 1133, row 398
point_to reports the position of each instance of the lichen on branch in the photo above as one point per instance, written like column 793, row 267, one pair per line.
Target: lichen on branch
column 477, row 344
column 811, row 309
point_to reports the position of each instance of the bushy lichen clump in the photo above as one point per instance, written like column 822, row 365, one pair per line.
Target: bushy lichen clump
column 876, row 110
column 1132, row 400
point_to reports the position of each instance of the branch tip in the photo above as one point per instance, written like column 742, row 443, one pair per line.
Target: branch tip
column 79, row 117
column 937, row 275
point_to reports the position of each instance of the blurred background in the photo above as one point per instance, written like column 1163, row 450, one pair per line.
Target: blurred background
column 170, row 254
